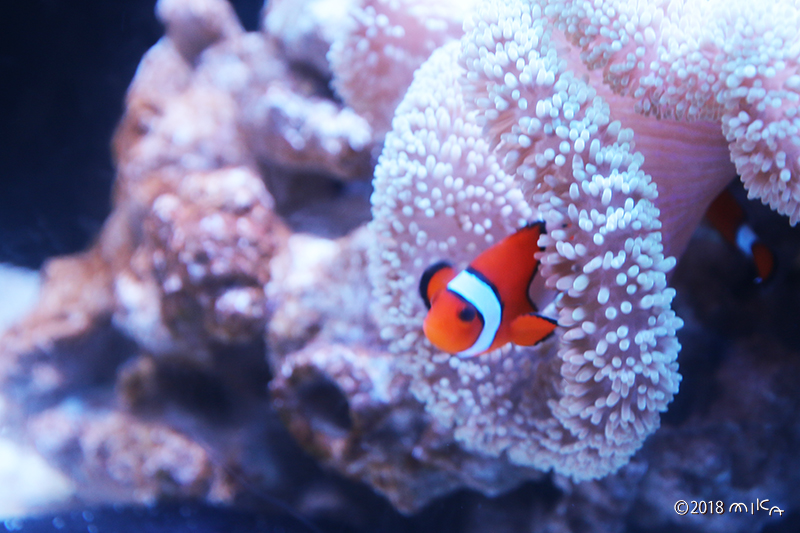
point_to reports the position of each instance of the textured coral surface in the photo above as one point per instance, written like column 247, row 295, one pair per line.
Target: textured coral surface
column 241, row 335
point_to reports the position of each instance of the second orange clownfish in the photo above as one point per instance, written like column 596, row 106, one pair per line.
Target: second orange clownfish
column 488, row 304
column 727, row 216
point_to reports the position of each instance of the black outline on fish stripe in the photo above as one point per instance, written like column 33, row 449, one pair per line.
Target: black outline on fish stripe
column 485, row 280
column 425, row 280
column 528, row 289
column 542, row 230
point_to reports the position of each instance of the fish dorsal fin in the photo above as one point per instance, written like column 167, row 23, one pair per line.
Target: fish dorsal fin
column 535, row 225
column 434, row 279
column 530, row 329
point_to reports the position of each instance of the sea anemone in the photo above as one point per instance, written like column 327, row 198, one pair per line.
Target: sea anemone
column 373, row 61
column 706, row 73
column 620, row 167
column 439, row 192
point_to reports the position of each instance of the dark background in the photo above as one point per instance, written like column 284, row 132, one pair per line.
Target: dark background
column 64, row 69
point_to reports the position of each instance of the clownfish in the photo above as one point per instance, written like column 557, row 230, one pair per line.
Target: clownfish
column 488, row 304
column 728, row 218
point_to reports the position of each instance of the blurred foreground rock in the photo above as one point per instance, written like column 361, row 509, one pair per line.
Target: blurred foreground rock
column 170, row 359
column 142, row 372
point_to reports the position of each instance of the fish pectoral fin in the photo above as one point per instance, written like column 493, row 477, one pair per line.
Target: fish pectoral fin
column 527, row 330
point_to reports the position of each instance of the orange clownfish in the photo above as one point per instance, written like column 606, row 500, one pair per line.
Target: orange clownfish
column 727, row 216
column 488, row 304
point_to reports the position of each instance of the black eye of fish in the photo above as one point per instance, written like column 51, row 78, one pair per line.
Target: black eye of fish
column 467, row 314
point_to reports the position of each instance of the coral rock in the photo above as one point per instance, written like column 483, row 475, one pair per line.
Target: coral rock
column 305, row 29
column 204, row 256
column 307, row 133
column 374, row 60
column 124, row 456
column 67, row 341
column 177, row 275
column 195, row 25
